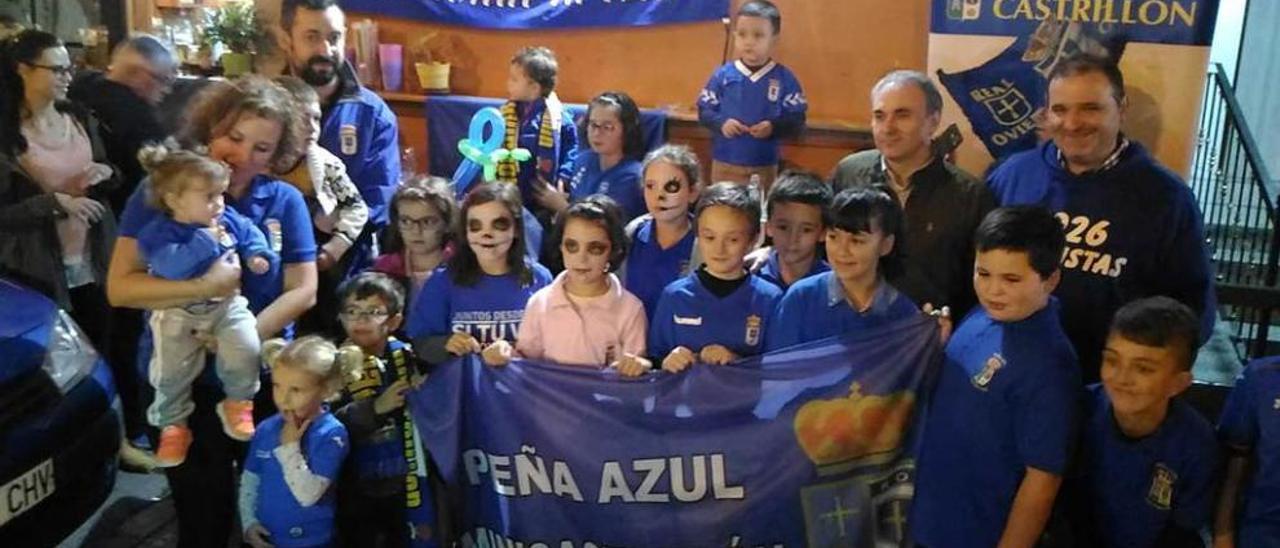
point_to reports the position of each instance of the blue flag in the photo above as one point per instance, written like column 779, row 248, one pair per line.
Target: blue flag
column 1003, row 97
column 808, row 446
column 542, row 14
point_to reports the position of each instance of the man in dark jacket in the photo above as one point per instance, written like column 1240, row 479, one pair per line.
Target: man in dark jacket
column 942, row 205
column 124, row 99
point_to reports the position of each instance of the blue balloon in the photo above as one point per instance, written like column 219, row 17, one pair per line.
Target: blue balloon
column 485, row 135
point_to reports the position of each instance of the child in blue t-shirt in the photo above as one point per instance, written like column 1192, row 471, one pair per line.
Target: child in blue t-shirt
column 195, row 230
column 751, row 102
column 611, row 166
column 1003, row 416
column 721, row 312
column 863, row 227
column 662, row 240
column 1250, row 428
column 1145, row 474
column 537, row 121
column 480, row 296
column 287, row 488
column 797, row 204
column 383, row 494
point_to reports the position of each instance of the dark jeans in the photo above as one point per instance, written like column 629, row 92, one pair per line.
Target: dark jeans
column 91, row 312
column 367, row 521
column 126, row 327
column 204, row 487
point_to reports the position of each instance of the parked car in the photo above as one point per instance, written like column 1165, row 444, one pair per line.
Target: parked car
column 60, row 424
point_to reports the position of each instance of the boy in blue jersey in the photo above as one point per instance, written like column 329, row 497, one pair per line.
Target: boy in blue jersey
column 662, row 241
column 1146, row 470
column 537, row 121
column 863, row 227
column 383, row 493
column 721, row 312
column 796, row 207
column 752, row 101
column 1003, row 416
column 1250, row 428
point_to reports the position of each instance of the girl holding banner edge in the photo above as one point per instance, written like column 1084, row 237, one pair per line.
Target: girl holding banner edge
column 480, row 296
column 599, row 321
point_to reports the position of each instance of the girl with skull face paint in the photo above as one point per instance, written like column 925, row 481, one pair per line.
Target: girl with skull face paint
column 595, row 321
column 662, row 240
column 480, row 296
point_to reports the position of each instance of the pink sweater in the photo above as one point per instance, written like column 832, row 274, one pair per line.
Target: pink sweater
column 592, row 333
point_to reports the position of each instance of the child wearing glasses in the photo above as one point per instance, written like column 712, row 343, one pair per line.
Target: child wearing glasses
column 382, row 494
column 416, row 241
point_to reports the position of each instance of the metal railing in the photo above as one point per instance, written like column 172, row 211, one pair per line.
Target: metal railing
column 1238, row 200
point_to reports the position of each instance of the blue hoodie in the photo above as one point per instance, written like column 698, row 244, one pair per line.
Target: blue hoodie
column 1133, row 230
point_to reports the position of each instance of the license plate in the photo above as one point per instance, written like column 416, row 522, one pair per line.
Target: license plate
column 26, row 491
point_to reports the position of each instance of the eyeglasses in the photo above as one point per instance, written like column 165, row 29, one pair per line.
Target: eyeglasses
column 57, row 70
column 358, row 314
column 602, row 128
column 419, row 225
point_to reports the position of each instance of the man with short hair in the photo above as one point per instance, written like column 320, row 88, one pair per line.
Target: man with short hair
column 941, row 203
column 125, row 100
column 1133, row 228
column 356, row 124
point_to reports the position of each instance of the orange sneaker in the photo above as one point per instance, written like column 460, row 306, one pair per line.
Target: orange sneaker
column 174, row 441
column 237, row 418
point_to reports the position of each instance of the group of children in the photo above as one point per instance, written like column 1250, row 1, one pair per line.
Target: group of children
column 657, row 271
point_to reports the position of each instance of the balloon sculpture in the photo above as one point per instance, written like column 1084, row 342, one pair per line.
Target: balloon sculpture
column 482, row 150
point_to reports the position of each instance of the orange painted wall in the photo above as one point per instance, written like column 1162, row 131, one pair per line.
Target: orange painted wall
column 837, row 48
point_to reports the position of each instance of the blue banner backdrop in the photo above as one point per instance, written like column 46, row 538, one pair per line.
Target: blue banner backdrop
column 544, row 14
column 1001, row 97
column 1181, row 22
column 812, row 446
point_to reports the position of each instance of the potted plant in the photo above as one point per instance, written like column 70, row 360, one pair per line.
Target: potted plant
column 235, row 25
column 433, row 54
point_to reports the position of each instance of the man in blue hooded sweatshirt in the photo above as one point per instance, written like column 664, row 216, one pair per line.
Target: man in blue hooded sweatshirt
column 1133, row 228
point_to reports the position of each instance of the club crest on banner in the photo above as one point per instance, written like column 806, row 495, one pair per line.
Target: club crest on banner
column 811, row 446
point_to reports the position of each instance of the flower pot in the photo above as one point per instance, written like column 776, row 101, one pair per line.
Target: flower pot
column 235, row 64
column 434, row 77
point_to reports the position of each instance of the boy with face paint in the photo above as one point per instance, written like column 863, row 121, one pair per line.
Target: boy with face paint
column 721, row 312
column 480, row 296
column 752, row 101
column 1147, row 467
column 1002, row 423
column 662, row 241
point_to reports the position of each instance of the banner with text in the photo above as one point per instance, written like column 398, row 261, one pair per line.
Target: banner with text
column 542, row 14
column 994, row 56
column 806, row 447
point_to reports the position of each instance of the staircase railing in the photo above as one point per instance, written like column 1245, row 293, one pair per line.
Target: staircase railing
column 1238, row 199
